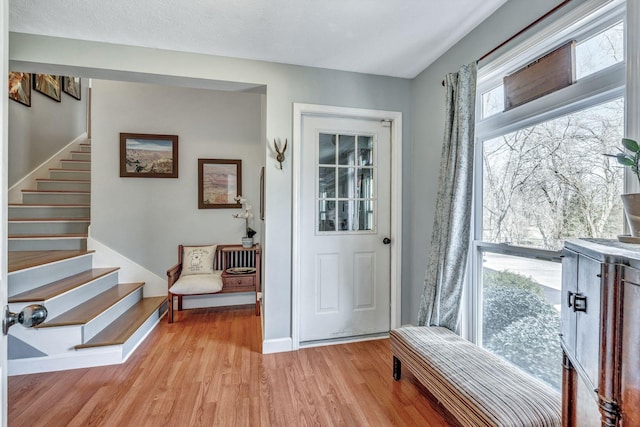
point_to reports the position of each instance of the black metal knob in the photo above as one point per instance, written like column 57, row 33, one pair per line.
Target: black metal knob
column 386, row 240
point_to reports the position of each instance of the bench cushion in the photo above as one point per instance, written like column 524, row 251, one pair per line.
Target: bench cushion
column 475, row 386
column 194, row 284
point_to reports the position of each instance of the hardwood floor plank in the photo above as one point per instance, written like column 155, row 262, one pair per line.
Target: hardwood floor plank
column 207, row 370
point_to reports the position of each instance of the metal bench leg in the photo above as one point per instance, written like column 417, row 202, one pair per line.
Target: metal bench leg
column 397, row 369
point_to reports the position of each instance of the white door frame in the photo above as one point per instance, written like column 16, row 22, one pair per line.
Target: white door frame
column 395, row 118
column 4, row 144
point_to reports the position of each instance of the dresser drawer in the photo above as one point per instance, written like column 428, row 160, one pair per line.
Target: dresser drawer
column 238, row 283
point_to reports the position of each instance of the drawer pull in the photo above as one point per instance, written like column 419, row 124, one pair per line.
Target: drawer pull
column 579, row 303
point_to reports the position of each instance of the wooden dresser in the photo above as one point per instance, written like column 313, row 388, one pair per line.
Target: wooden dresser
column 600, row 333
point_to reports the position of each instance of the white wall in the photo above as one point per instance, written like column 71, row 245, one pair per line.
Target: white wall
column 428, row 131
column 38, row 132
column 145, row 219
column 284, row 84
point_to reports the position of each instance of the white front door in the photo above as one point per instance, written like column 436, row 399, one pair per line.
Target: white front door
column 344, row 221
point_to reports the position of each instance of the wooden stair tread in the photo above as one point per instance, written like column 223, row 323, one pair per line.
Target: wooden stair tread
column 70, row 170
column 57, row 191
column 61, row 286
column 91, row 308
column 75, row 160
column 49, row 219
column 50, row 205
column 83, row 181
column 48, row 236
column 21, row 260
column 118, row 332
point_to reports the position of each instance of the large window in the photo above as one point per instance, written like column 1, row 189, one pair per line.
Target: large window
column 541, row 178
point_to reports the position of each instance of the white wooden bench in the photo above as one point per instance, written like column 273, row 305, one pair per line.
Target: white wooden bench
column 476, row 387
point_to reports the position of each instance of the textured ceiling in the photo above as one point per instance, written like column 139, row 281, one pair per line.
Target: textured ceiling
column 387, row 37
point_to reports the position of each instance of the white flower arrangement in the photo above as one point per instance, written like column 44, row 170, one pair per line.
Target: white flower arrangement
column 246, row 214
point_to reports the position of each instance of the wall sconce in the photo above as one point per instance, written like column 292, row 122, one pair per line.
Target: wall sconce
column 280, row 156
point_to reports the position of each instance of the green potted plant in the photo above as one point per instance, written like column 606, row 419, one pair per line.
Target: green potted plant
column 630, row 157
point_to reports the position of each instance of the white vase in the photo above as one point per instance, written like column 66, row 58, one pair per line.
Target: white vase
column 631, row 204
column 247, row 242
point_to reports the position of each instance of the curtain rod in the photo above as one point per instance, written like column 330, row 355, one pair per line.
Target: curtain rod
column 563, row 3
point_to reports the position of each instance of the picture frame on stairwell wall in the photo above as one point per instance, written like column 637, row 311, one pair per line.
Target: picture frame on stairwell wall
column 48, row 85
column 20, row 87
column 145, row 155
column 72, row 86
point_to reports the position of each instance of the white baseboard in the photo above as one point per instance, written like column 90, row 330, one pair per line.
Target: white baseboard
column 130, row 271
column 218, row 300
column 87, row 358
column 278, row 345
column 42, row 171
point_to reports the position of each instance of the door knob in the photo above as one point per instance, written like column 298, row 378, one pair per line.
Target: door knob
column 30, row 316
column 386, row 240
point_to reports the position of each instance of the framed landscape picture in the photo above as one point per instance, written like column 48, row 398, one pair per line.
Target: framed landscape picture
column 49, row 85
column 72, row 87
column 145, row 155
column 219, row 182
column 20, row 87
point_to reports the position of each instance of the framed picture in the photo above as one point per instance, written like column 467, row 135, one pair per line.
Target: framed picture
column 219, row 182
column 49, row 85
column 72, row 87
column 262, row 193
column 145, row 155
column 20, row 87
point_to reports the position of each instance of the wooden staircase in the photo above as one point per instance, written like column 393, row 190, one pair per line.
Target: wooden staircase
column 92, row 319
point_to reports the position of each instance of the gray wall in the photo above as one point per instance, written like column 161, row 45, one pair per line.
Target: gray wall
column 428, row 131
column 38, row 132
column 284, row 84
column 145, row 219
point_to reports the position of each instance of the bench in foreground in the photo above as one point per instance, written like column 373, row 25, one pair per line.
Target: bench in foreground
column 476, row 387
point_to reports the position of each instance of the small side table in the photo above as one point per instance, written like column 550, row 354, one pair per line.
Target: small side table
column 240, row 257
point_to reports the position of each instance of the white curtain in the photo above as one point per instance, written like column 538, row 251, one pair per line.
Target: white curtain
column 444, row 278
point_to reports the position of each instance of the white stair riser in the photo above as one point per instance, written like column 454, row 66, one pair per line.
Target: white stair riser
column 49, row 211
column 75, row 165
column 64, row 185
column 86, row 357
column 25, row 280
column 49, row 340
column 142, row 332
column 55, row 227
column 62, row 303
column 81, row 156
column 69, row 174
column 52, row 244
column 57, row 198
column 85, row 148
column 97, row 324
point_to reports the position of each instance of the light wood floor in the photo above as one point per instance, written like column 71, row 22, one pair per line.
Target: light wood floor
column 207, row 370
